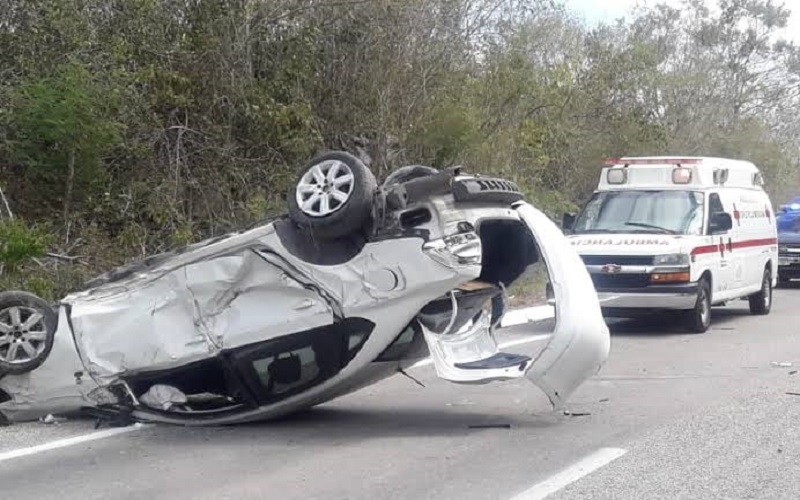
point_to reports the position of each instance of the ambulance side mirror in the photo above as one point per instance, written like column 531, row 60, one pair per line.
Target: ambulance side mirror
column 720, row 223
column 567, row 221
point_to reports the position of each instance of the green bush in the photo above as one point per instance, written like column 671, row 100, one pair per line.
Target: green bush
column 19, row 243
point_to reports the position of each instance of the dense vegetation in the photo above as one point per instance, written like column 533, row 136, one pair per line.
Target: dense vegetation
column 131, row 126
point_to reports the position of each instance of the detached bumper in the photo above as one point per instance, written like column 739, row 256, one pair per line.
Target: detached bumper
column 576, row 350
column 677, row 297
column 580, row 343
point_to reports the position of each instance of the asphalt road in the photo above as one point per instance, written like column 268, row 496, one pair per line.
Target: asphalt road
column 672, row 415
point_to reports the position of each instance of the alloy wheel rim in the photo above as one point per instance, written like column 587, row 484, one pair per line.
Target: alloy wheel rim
column 325, row 188
column 23, row 334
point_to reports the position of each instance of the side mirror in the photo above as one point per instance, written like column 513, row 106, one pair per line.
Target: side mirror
column 567, row 221
column 720, row 223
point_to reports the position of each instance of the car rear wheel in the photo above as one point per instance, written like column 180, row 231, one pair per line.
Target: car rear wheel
column 333, row 196
column 27, row 328
column 761, row 302
column 698, row 319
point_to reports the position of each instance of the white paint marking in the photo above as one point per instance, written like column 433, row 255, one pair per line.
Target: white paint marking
column 63, row 443
column 576, row 471
column 526, row 315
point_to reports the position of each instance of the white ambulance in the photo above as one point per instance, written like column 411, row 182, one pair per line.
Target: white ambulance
column 681, row 234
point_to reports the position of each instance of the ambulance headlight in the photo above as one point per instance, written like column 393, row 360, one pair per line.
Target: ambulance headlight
column 671, row 259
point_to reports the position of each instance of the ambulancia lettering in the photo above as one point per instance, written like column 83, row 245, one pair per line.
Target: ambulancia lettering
column 626, row 241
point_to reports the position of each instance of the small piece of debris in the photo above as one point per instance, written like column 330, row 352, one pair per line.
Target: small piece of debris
column 604, row 400
column 793, row 393
column 51, row 419
column 782, row 364
column 490, row 426
column 403, row 372
column 792, row 372
column 576, row 414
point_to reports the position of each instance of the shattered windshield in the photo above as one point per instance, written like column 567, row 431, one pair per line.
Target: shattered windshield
column 657, row 212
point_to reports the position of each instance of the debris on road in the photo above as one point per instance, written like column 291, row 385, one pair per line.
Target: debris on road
column 782, row 364
column 793, row 372
column 576, row 414
column 793, row 393
column 52, row 419
column 490, row 426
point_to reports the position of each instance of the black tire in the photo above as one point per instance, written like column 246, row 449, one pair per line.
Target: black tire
column 14, row 332
column 349, row 216
column 761, row 302
column 698, row 319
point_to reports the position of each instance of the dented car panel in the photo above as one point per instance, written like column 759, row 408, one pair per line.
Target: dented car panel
column 266, row 322
column 60, row 385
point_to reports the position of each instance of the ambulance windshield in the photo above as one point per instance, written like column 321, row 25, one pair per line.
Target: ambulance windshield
column 660, row 212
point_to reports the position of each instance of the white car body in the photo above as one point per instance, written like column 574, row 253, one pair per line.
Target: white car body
column 223, row 309
column 641, row 268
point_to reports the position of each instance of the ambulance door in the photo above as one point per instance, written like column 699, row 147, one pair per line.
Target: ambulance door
column 721, row 261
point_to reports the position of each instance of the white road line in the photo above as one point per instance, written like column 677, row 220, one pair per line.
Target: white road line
column 526, row 315
column 63, row 443
column 576, row 471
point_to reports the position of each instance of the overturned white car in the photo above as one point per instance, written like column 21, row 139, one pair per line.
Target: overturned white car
column 356, row 283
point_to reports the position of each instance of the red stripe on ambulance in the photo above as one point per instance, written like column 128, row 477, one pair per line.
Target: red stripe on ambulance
column 763, row 242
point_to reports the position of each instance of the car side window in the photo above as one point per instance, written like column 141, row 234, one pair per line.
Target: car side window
column 284, row 366
column 714, row 207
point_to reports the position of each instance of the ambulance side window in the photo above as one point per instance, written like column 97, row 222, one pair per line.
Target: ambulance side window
column 714, row 207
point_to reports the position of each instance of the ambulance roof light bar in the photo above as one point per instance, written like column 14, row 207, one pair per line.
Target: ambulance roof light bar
column 619, row 175
column 610, row 162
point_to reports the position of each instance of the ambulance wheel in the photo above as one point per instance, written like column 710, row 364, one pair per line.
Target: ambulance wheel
column 698, row 319
column 761, row 302
column 27, row 328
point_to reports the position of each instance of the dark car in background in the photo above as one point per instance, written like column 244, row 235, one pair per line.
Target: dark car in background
column 789, row 241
